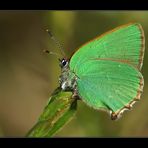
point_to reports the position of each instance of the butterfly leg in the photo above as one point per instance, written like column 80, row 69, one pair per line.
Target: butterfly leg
column 75, row 94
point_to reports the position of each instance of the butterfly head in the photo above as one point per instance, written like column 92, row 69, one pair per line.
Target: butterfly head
column 67, row 78
column 63, row 63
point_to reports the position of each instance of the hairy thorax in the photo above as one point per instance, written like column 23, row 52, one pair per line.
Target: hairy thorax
column 67, row 79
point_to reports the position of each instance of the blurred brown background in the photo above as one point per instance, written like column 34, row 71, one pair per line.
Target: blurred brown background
column 28, row 76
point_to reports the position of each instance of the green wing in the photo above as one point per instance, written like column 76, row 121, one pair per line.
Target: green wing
column 108, row 69
column 109, row 85
column 124, row 43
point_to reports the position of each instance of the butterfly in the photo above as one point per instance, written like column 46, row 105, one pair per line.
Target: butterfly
column 105, row 72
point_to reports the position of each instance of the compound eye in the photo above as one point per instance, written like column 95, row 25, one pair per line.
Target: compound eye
column 64, row 62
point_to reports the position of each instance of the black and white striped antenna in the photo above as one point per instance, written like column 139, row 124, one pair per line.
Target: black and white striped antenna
column 57, row 43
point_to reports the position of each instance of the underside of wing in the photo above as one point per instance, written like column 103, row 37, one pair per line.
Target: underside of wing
column 110, row 85
column 124, row 44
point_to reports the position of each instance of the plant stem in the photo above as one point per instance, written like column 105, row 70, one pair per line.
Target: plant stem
column 59, row 110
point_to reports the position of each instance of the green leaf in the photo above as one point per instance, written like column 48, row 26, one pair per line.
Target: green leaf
column 59, row 110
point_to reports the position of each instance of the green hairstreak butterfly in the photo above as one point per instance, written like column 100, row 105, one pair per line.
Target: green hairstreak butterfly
column 105, row 72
